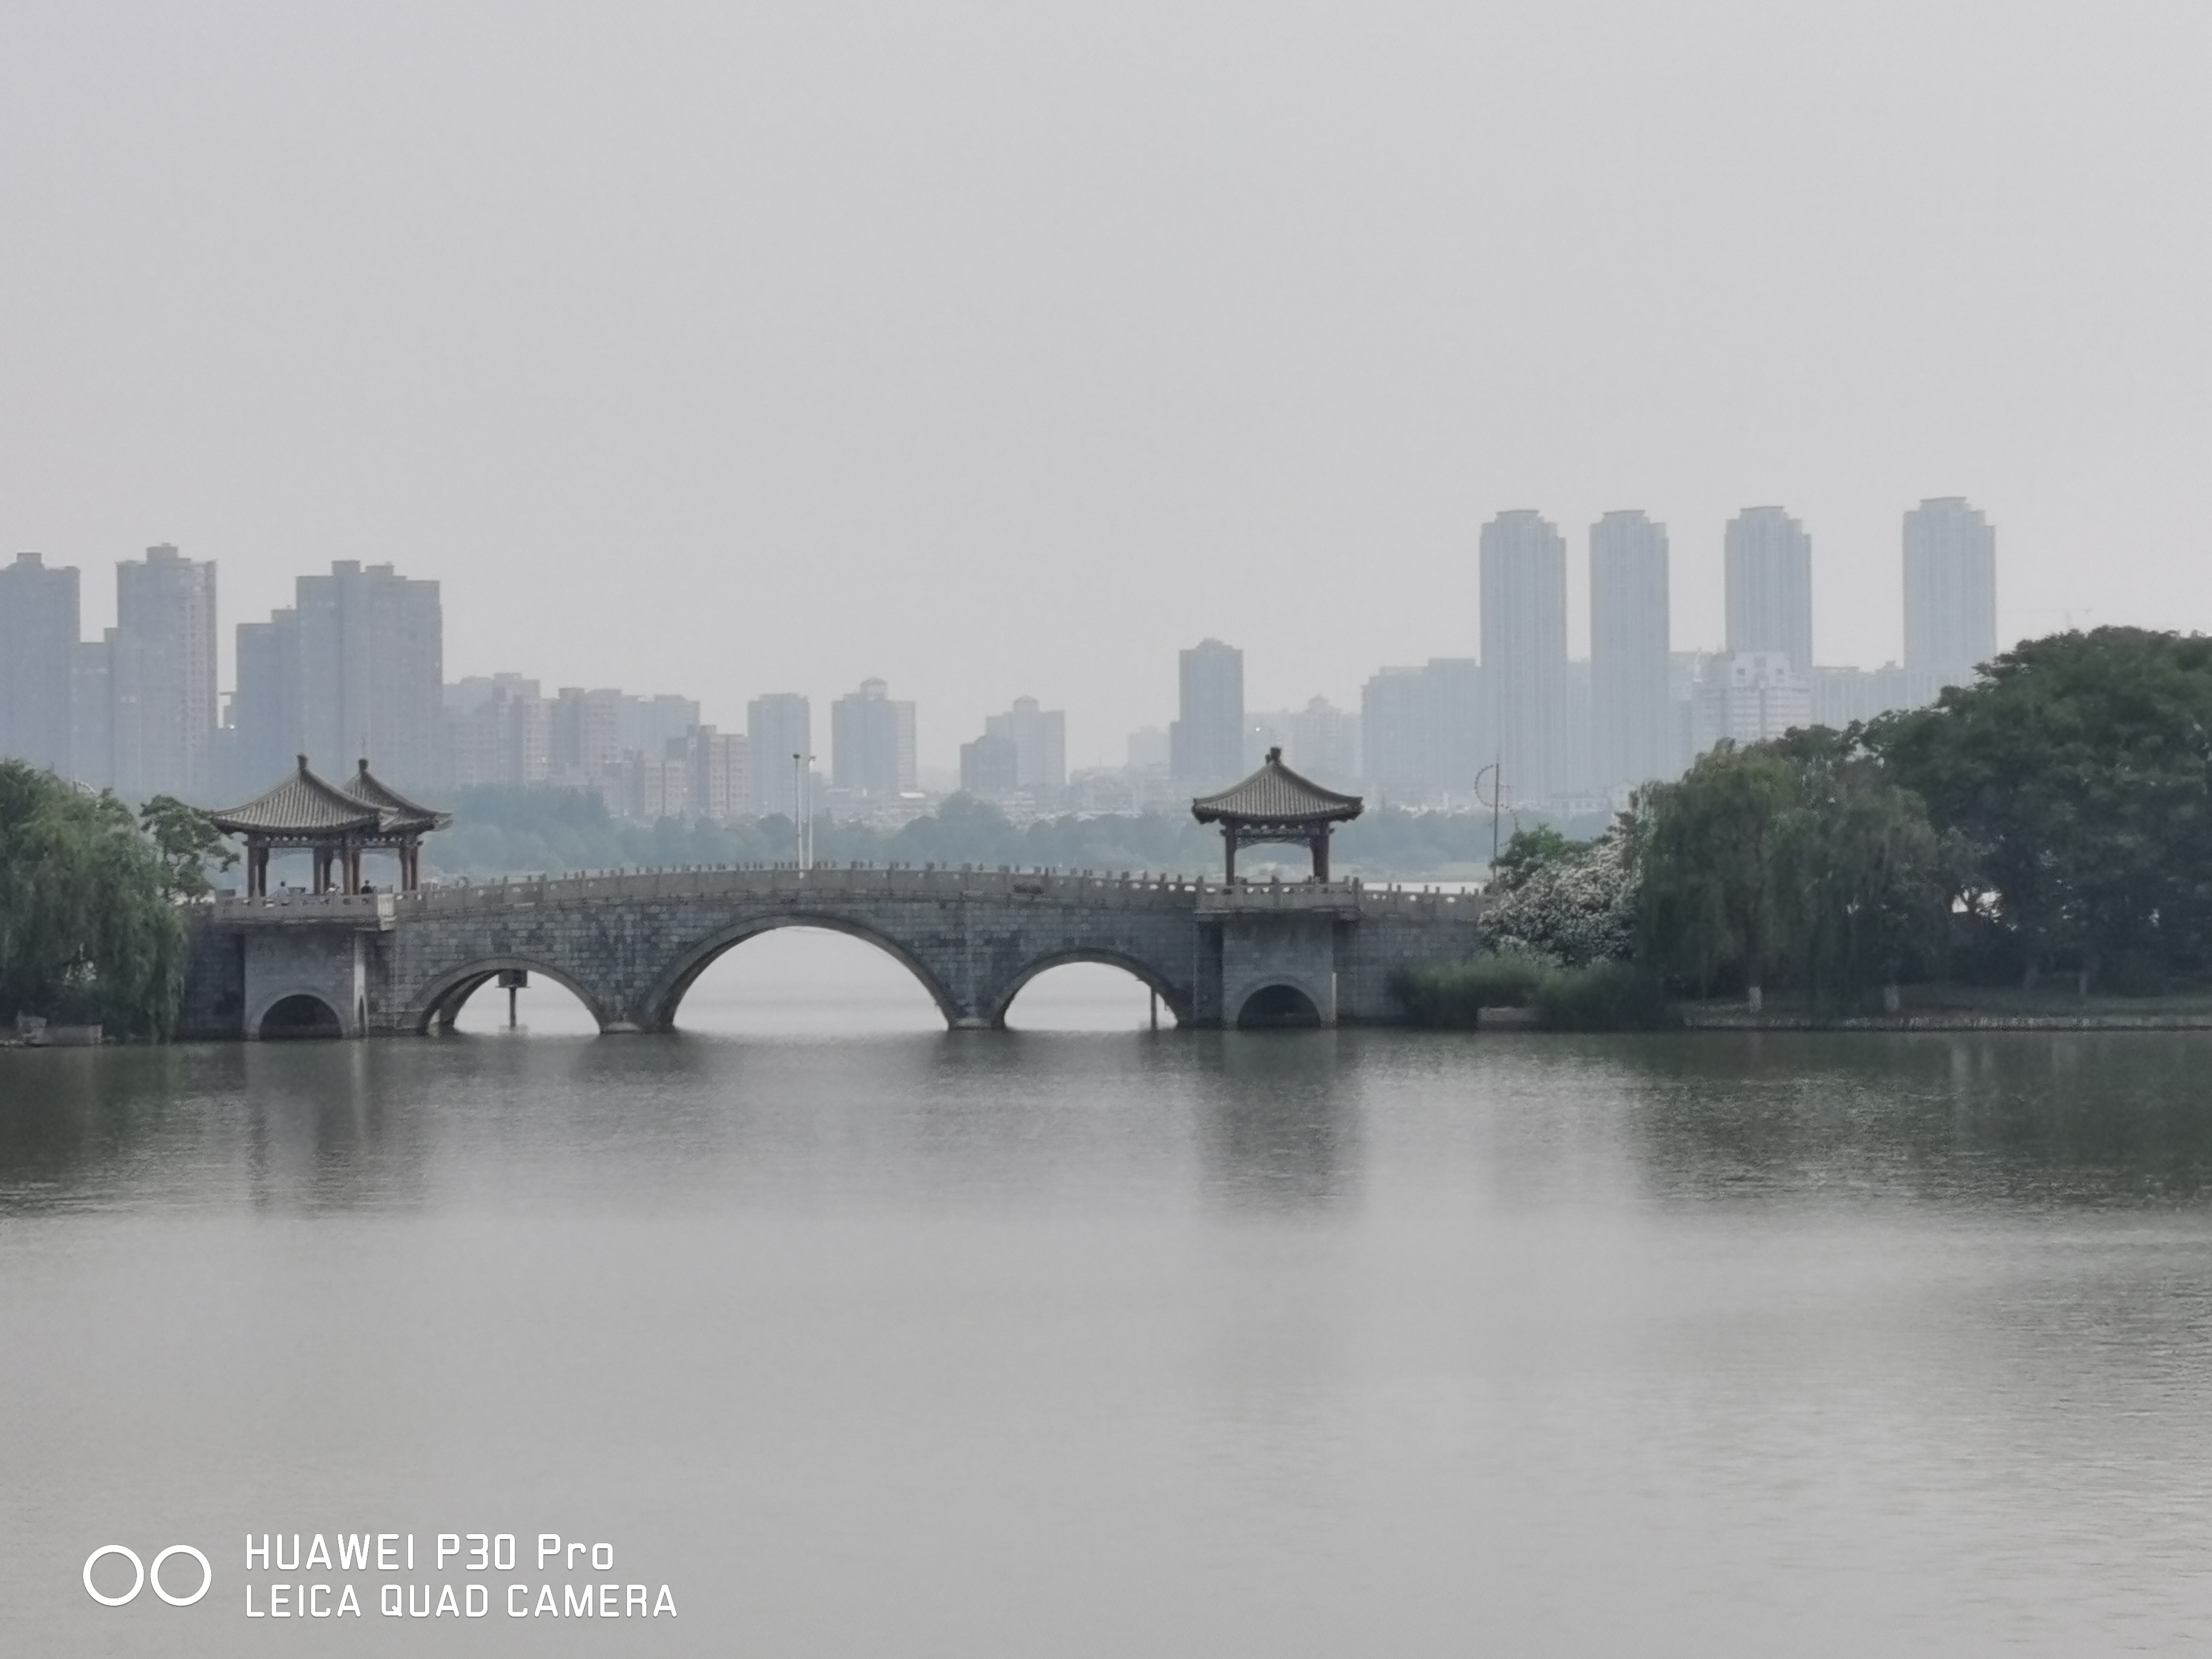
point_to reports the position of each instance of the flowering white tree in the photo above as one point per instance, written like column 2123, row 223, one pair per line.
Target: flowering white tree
column 1574, row 909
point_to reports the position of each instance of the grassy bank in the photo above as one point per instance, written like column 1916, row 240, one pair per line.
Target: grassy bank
column 1612, row 996
column 1605, row 996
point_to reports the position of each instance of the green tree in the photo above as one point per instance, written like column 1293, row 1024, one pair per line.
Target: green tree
column 1527, row 853
column 1863, row 884
column 87, row 931
column 2079, row 768
column 1708, row 844
column 186, row 841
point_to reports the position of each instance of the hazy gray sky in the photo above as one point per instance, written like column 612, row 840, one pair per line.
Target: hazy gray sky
column 1006, row 348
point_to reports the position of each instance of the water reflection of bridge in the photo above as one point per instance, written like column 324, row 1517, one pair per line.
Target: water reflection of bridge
column 628, row 947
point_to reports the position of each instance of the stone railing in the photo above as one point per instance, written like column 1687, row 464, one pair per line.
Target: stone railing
column 372, row 911
column 787, row 882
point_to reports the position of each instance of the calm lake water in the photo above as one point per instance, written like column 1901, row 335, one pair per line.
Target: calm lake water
column 866, row 1339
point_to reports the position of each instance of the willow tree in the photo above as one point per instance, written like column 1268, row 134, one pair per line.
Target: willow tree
column 87, row 930
column 1708, row 845
column 1800, row 858
column 1864, row 883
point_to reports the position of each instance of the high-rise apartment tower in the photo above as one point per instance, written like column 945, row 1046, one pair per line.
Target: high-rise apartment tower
column 1770, row 586
column 354, row 670
column 1039, row 737
column 161, row 677
column 1205, row 745
column 1525, row 651
column 778, row 727
column 39, row 622
column 1950, row 593
column 871, row 741
column 1632, row 714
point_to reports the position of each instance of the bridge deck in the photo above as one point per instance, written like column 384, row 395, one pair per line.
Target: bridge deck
column 381, row 911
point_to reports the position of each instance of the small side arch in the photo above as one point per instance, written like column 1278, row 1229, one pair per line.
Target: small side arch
column 1279, row 1004
column 298, row 1011
column 441, row 1000
column 666, row 996
column 1177, row 1001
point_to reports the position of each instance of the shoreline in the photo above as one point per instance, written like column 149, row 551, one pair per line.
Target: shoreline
column 1946, row 1020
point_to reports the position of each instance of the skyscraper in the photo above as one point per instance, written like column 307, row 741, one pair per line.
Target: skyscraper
column 354, row 670
column 778, row 726
column 39, row 622
column 719, row 782
column 1770, row 586
column 161, row 677
column 1424, row 734
column 1525, row 651
column 587, row 733
column 871, row 741
column 1632, row 714
column 264, row 733
column 1324, row 743
column 1039, row 737
column 91, row 760
column 1206, row 744
column 500, row 729
column 1950, row 593
column 991, row 765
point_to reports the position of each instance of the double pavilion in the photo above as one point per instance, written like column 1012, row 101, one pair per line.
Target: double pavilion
column 1276, row 804
column 335, row 826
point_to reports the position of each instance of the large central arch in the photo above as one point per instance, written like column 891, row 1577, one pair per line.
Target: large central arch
column 1177, row 1003
column 658, row 1012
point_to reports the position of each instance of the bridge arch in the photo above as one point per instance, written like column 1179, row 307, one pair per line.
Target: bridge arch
column 298, row 1011
column 1177, row 1002
column 1279, row 1002
column 658, row 1012
column 441, row 998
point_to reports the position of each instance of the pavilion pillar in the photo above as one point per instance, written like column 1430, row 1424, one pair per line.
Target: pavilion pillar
column 1320, row 857
column 1228, row 842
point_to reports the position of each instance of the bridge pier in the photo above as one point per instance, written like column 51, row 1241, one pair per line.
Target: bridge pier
column 1294, row 953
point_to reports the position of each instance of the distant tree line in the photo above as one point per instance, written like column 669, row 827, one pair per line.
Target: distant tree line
column 505, row 831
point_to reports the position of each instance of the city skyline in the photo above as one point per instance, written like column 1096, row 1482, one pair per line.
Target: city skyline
column 1097, row 740
column 354, row 664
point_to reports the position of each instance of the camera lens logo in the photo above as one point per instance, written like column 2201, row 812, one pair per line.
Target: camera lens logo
column 141, row 1575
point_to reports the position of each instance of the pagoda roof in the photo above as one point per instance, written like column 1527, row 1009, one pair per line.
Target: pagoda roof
column 304, row 806
column 400, row 814
column 1275, row 794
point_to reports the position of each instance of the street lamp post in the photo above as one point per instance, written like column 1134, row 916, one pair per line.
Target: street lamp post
column 1495, row 773
column 802, row 800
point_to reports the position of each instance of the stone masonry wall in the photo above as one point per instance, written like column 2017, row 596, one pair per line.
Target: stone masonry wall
column 629, row 946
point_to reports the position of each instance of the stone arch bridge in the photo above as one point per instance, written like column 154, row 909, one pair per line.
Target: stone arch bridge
column 630, row 946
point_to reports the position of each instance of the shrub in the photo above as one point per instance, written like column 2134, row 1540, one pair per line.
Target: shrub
column 1455, row 994
column 1605, row 996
